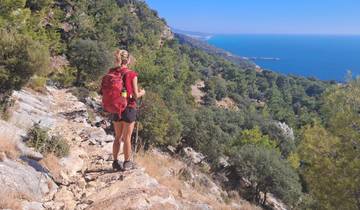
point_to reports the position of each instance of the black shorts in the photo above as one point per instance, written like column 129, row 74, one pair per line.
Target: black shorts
column 128, row 115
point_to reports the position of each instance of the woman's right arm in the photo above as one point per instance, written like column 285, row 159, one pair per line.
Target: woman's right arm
column 137, row 93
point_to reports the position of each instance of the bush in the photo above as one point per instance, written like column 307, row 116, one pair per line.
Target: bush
column 266, row 172
column 43, row 143
column 159, row 125
column 65, row 78
column 37, row 83
column 20, row 58
column 5, row 103
column 36, row 5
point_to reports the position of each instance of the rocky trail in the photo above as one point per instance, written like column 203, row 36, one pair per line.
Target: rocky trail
column 84, row 179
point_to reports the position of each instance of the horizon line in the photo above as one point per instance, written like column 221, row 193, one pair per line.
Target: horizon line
column 264, row 33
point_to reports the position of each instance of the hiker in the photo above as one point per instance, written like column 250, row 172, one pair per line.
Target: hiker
column 124, row 123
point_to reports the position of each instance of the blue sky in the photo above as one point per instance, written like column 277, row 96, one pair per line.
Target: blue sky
column 262, row 16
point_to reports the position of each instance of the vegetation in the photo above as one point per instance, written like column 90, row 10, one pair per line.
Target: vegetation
column 43, row 143
column 323, row 115
column 331, row 151
column 266, row 172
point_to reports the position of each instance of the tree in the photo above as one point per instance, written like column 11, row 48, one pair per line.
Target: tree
column 90, row 57
column 160, row 127
column 20, row 58
column 254, row 137
column 331, row 154
column 267, row 173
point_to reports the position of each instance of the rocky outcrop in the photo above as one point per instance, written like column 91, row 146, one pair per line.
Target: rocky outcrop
column 16, row 177
column 287, row 132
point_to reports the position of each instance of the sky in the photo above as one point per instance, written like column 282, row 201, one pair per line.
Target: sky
column 261, row 16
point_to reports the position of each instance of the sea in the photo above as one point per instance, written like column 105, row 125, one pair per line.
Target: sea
column 325, row 57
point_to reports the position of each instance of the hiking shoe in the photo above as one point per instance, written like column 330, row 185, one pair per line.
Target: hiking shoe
column 128, row 165
column 116, row 166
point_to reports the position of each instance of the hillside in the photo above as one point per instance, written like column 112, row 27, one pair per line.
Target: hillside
column 83, row 179
column 201, row 44
column 276, row 141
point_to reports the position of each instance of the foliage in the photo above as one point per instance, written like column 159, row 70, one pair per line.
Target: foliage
column 331, row 153
column 43, row 143
column 15, row 72
column 90, row 57
column 254, row 137
column 160, row 126
column 65, row 78
column 266, row 172
column 37, row 83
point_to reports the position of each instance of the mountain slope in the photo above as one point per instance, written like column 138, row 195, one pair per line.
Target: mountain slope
column 82, row 180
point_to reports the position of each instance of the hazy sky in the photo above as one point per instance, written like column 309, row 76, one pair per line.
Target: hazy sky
column 262, row 16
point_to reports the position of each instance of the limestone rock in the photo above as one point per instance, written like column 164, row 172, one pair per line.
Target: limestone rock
column 32, row 206
column 192, row 155
column 20, row 178
column 31, row 108
column 66, row 197
column 29, row 152
column 96, row 135
column 73, row 163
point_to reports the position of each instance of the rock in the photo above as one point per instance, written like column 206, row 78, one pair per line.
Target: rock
column 16, row 177
column 10, row 132
column 29, row 152
column 194, row 157
column 137, row 191
column 32, row 206
column 30, row 108
column 52, row 205
column 73, row 163
column 65, row 196
column 2, row 156
column 93, row 103
column 79, row 116
column 223, row 161
column 171, row 149
column 287, row 132
column 96, row 134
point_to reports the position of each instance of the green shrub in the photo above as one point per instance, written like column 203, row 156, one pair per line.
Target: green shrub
column 43, row 143
column 37, row 83
column 159, row 125
column 267, row 173
column 36, row 5
column 65, row 78
column 20, row 58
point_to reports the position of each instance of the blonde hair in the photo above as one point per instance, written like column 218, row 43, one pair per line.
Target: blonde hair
column 122, row 57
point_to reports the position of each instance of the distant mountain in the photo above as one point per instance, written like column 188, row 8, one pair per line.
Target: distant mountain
column 195, row 35
column 196, row 42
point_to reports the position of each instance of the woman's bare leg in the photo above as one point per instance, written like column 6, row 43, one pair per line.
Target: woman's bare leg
column 126, row 134
column 118, row 137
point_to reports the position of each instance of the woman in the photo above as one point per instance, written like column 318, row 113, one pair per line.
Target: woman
column 124, row 126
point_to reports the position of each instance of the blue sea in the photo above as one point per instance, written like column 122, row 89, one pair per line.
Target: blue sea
column 326, row 57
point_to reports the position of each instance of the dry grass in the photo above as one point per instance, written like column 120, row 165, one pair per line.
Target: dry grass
column 13, row 200
column 9, row 148
column 165, row 169
column 51, row 162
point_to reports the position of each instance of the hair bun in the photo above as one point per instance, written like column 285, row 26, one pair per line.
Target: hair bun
column 122, row 56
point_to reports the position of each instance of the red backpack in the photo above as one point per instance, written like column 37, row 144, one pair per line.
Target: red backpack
column 112, row 86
